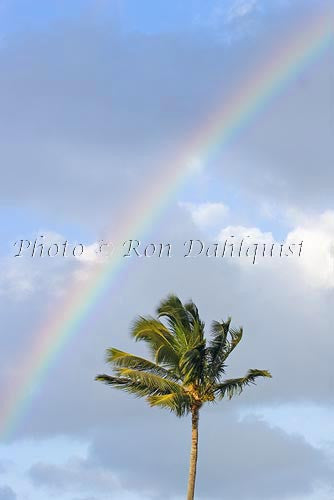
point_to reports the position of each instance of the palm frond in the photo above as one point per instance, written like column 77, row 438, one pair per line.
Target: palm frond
column 192, row 365
column 217, row 348
column 125, row 384
column 172, row 308
column 236, row 336
column 181, row 336
column 179, row 404
column 183, row 321
column 193, row 316
column 117, row 382
column 235, row 386
column 136, row 386
column 158, row 337
column 119, row 358
column 157, row 385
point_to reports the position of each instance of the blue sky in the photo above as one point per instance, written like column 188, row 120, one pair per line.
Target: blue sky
column 147, row 16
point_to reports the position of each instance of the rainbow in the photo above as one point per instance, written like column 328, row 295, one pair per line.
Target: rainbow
column 300, row 50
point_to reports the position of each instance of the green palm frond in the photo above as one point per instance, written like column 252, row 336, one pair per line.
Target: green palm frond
column 179, row 404
column 197, row 334
column 125, row 384
column 159, row 385
column 117, row 382
column 232, row 387
column 119, row 358
column 217, row 348
column 179, row 320
column 193, row 316
column 183, row 322
column 181, row 337
column 157, row 390
column 143, row 386
column 173, row 309
column 236, row 336
column 192, row 365
column 159, row 338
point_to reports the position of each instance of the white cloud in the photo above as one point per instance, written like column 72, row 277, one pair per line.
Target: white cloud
column 241, row 9
column 318, row 253
column 250, row 244
column 316, row 260
column 16, row 280
column 244, row 232
column 38, row 265
column 207, row 214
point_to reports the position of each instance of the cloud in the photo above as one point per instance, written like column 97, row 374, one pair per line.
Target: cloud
column 310, row 244
column 84, row 119
column 86, row 498
column 318, row 257
column 240, row 9
column 288, row 465
column 36, row 264
column 208, row 214
column 278, row 160
column 75, row 117
column 6, row 493
column 76, row 475
column 233, row 21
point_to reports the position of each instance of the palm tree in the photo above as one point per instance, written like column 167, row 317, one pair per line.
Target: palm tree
column 187, row 370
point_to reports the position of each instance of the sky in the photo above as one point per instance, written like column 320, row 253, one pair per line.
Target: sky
column 97, row 101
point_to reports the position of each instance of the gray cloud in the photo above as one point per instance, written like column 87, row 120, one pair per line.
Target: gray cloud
column 6, row 493
column 273, row 464
column 84, row 92
column 75, row 116
column 86, row 498
column 74, row 476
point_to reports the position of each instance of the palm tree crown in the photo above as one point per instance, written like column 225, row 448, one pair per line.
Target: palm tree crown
column 187, row 370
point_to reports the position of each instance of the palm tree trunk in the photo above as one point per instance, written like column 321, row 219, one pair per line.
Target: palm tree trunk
column 193, row 453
